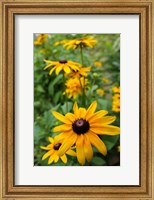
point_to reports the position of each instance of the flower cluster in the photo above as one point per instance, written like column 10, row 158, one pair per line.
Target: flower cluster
column 81, row 119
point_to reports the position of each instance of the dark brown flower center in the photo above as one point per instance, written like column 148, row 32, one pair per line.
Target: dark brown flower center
column 80, row 126
column 63, row 61
column 57, row 146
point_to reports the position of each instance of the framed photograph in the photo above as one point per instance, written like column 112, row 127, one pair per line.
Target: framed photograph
column 76, row 99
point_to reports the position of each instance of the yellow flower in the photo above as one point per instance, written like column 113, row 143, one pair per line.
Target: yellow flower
column 64, row 65
column 116, row 89
column 81, row 72
column 53, row 149
column 75, row 43
column 97, row 64
column 60, row 42
column 100, row 91
column 116, row 106
column 40, row 39
column 81, row 129
column 74, row 86
column 116, row 97
column 105, row 80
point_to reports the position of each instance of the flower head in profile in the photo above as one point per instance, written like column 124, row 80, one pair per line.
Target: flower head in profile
column 75, row 43
column 81, row 72
column 40, row 39
column 74, row 86
column 53, row 149
column 64, row 65
column 82, row 128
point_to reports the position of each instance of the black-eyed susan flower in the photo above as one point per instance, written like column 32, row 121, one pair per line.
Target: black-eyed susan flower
column 80, row 42
column 116, row 106
column 64, row 65
column 81, row 72
column 101, row 92
column 82, row 129
column 40, row 39
column 74, row 87
column 53, row 149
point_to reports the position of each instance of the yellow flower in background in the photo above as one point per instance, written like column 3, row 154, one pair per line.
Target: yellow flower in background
column 64, row 65
column 116, row 89
column 105, row 80
column 75, row 43
column 100, row 92
column 40, row 39
column 116, row 97
column 81, row 72
column 53, row 149
column 97, row 64
column 82, row 128
column 118, row 148
column 74, row 86
column 60, row 42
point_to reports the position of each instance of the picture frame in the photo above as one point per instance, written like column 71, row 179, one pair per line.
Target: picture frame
column 10, row 8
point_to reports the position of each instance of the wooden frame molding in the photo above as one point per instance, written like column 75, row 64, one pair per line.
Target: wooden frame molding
column 11, row 8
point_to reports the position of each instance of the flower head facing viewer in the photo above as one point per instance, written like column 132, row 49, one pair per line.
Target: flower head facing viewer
column 58, row 66
column 53, row 149
column 82, row 129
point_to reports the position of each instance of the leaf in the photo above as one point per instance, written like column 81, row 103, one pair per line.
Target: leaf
column 67, row 107
column 98, row 161
column 110, row 141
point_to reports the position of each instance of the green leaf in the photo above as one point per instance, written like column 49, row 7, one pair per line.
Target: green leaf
column 110, row 141
column 98, row 161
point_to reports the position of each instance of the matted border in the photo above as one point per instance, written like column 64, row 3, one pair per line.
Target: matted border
column 10, row 8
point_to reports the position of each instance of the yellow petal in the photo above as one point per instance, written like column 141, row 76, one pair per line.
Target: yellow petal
column 51, row 140
column 87, row 148
column 62, row 128
column 98, row 115
column 67, row 69
column 108, row 119
column 47, row 154
column 52, row 70
column 71, row 152
column 97, row 130
column 110, row 130
column 82, row 113
column 51, row 159
column 76, row 110
column 61, row 117
column 91, row 110
column 97, row 142
column 80, row 150
column 64, row 158
column 70, row 117
column 47, row 147
column 67, row 143
column 58, row 69
column 56, row 159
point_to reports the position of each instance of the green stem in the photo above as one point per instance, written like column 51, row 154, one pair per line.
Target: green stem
column 83, row 87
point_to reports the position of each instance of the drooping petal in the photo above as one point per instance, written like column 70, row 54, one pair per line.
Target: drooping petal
column 51, row 159
column 56, row 159
column 58, row 69
column 97, row 142
column 87, row 148
column 52, row 70
column 47, row 154
column 110, row 130
column 80, row 150
column 67, row 143
column 64, row 158
column 62, row 128
column 61, row 117
column 91, row 110
column 67, row 69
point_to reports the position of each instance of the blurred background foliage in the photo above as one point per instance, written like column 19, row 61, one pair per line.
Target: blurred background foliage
column 104, row 60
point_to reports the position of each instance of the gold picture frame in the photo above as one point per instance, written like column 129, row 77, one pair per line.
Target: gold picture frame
column 10, row 8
